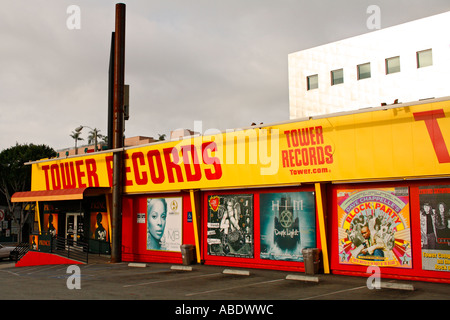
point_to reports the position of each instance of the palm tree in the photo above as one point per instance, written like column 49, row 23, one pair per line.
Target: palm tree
column 93, row 137
column 76, row 137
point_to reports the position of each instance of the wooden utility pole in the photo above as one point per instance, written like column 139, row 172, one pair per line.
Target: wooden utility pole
column 118, row 132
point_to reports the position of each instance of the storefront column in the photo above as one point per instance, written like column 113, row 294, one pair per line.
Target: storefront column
column 38, row 216
column 322, row 229
column 108, row 199
column 194, row 220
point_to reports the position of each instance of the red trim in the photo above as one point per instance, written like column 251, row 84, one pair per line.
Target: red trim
column 45, row 195
column 55, row 195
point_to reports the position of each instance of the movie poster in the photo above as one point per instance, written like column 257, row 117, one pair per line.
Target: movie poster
column 288, row 224
column 435, row 227
column 230, row 225
column 164, row 221
column 374, row 227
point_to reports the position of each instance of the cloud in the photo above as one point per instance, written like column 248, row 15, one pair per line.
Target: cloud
column 221, row 62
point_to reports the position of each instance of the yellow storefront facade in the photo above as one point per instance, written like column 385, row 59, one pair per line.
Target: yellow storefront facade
column 328, row 179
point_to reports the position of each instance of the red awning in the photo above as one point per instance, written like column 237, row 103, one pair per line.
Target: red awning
column 55, row 195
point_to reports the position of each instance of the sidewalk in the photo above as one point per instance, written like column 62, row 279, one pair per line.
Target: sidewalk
column 98, row 258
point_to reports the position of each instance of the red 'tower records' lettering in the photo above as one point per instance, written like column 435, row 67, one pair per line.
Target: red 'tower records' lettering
column 437, row 139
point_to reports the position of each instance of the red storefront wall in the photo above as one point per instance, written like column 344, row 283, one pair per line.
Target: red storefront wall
column 134, row 234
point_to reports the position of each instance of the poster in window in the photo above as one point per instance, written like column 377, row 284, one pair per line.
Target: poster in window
column 230, row 225
column 374, row 227
column 100, row 226
column 288, row 224
column 34, row 242
column 435, row 227
column 164, row 220
column 51, row 224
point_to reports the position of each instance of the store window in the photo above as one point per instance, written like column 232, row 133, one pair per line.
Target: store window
column 424, row 58
column 312, row 82
column 392, row 65
column 364, row 71
column 337, row 77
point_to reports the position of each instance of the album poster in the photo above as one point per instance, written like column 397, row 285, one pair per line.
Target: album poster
column 435, row 227
column 51, row 224
column 100, row 226
column 374, row 227
column 288, row 224
column 230, row 225
column 34, row 242
column 164, row 224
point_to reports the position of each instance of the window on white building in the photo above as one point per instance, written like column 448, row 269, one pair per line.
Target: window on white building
column 312, row 82
column 364, row 71
column 392, row 65
column 424, row 58
column 337, row 76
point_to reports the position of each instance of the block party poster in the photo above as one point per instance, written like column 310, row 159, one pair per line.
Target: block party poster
column 374, row 227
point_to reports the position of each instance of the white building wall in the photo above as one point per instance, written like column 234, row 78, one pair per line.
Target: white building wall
column 410, row 84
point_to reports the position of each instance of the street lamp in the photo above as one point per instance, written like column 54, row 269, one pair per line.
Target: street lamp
column 78, row 129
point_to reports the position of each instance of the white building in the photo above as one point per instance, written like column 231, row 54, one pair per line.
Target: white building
column 408, row 62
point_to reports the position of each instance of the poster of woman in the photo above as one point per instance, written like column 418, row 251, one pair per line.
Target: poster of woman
column 164, row 224
column 374, row 227
column 288, row 224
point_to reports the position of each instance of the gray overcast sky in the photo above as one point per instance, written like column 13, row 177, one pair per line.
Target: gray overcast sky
column 220, row 62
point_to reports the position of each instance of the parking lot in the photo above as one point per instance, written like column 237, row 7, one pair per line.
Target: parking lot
column 183, row 285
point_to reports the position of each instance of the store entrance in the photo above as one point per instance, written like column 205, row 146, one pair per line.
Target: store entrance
column 74, row 228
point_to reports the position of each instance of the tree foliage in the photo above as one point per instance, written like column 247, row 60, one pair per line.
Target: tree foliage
column 77, row 137
column 14, row 174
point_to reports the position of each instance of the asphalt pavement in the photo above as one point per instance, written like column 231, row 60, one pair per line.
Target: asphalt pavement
column 185, row 290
